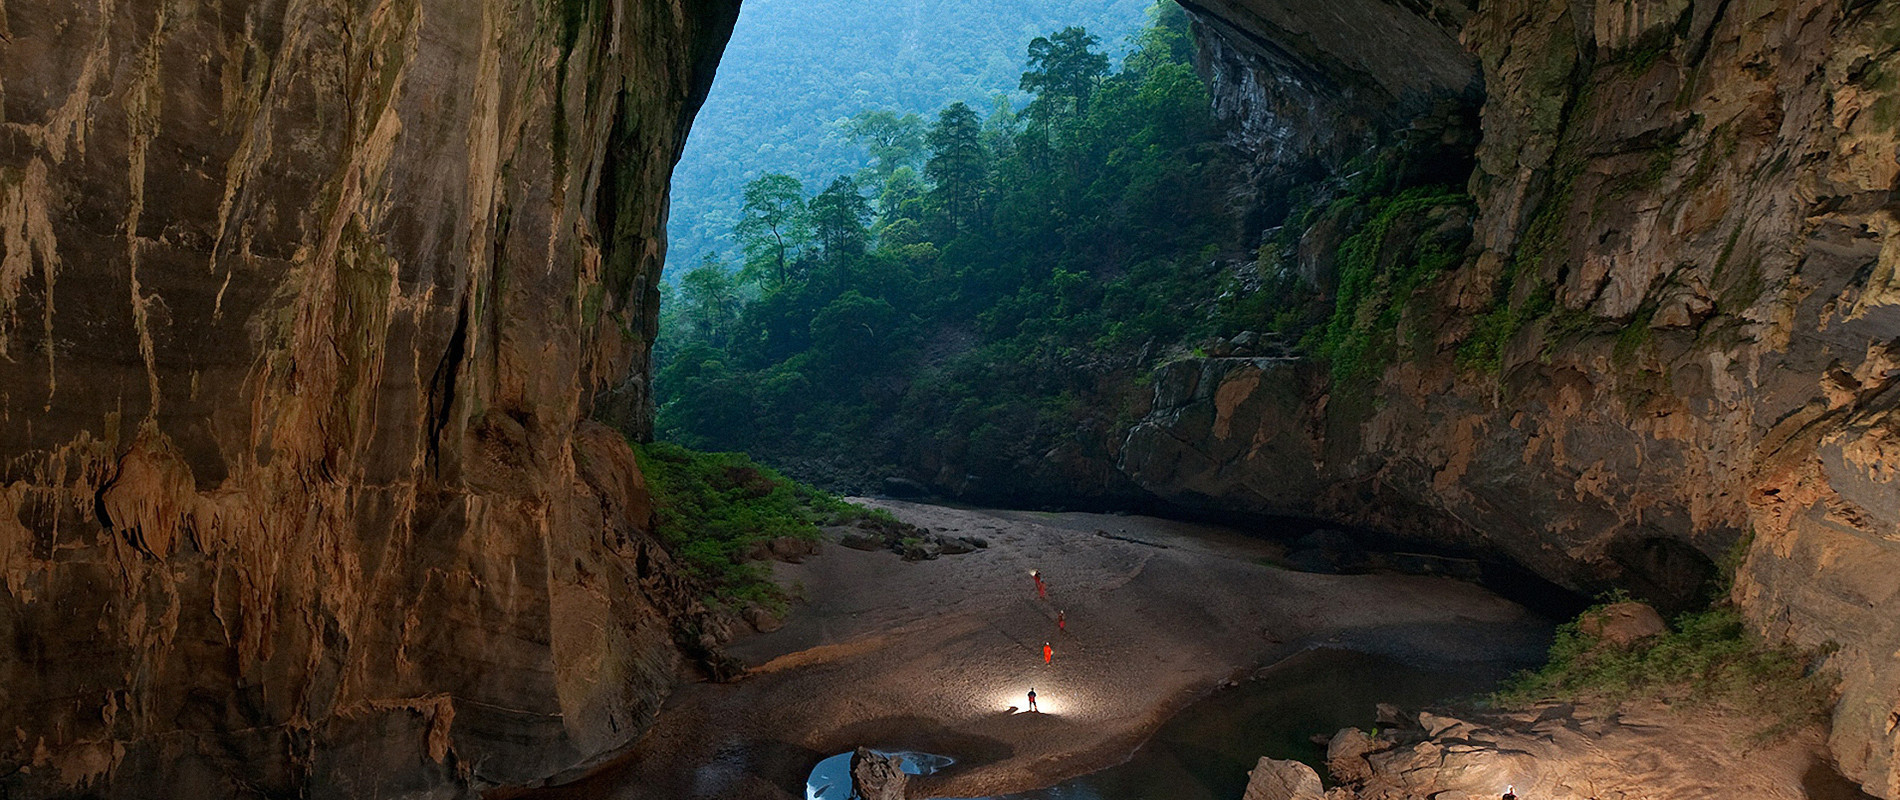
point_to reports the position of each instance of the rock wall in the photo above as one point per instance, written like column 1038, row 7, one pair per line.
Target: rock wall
column 307, row 314
column 1673, row 338
column 1307, row 87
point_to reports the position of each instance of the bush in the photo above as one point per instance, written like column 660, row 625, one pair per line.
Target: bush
column 1708, row 658
column 715, row 511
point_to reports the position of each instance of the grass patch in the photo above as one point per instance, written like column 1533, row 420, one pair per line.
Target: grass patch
column 1707, row 658
column 714, row 512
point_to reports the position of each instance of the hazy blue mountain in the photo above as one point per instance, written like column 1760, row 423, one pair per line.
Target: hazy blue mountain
column 795, row 68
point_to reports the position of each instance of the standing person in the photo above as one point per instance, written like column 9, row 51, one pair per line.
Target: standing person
column 1032, row 698
column 1048, row 654
column 1062, row 622
column 1042, row 590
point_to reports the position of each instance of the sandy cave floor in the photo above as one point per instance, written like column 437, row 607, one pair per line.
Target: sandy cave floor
column 933, row 655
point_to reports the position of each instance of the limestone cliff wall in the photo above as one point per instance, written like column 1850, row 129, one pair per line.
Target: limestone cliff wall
column 307, row 312
column 1682, row 296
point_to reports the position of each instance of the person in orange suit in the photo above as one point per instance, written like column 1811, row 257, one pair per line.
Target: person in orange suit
column 1048, row 654
column 1062, row 622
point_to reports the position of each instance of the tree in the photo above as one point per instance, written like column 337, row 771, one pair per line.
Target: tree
column 773, row 225
column 957, row 166
column 901, row 199
column 894, row 141
column 710, row 300
column 1064, row 70
column 838, row 217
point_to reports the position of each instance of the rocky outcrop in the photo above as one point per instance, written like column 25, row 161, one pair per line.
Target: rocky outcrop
column 1561, row 753
column 306, row 314
column 1622, row 624
column 875, row 776
column 1672, row 339
column 1307, row 87
column 1275, row 779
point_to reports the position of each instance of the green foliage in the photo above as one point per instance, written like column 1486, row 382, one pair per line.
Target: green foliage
column 1064, row 69
column 715, row 512
column 895, row 141
column 1378, row 276
column 774, row 225
column 958, row 168
column 1522, row 296
column 798, row 74
column 977, row 300
column 1707, row 658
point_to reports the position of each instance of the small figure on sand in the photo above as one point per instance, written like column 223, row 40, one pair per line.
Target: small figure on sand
column 1510, row 792
column 1032, row 698
column 1042, row 589
column 1048, row 654
column 1062, row 622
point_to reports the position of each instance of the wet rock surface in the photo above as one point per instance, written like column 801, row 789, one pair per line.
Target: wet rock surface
column 320, row 328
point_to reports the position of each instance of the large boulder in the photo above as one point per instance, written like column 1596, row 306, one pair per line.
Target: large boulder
column 875, row 776
column 1622, row 624
column 1346, row 755
column 1275, row 779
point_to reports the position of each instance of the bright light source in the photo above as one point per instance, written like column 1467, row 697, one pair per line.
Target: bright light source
column 1004, row 701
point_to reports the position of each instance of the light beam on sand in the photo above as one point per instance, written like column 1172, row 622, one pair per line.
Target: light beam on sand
column 1057, row 698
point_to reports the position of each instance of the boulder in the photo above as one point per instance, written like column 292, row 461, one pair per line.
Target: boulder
column 862, row 541
column 1274, row 779
column 1346, row 756
column 920, row 550
column 875, row 776
column 954, row 545
column 763, row 620
column 1439, row 727
column 1622, row 624
column 791, row 549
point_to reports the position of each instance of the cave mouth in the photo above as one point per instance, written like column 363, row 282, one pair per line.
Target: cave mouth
column 1664, row 572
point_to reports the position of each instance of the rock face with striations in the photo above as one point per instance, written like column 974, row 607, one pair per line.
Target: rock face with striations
column 307, row 312
column 1675, row 334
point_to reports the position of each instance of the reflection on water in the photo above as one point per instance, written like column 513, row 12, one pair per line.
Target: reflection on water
column 1204, row 753
column 831, row 779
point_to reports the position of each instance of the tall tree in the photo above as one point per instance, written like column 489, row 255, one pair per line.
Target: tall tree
column 838, row 217
column 901, row 198
column 710, row 300
column 894, row 140
column 773, row 224
column 958, row 167
column 1064, row 69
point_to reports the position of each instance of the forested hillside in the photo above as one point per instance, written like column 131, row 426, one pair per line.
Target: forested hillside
column 961, row 295
column 996, row 290
column 797, row 69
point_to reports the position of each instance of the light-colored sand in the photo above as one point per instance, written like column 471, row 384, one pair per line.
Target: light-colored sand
column 933, row 655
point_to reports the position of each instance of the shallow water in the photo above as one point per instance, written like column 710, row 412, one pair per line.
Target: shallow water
column 831, row 779
column 1205, row 751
